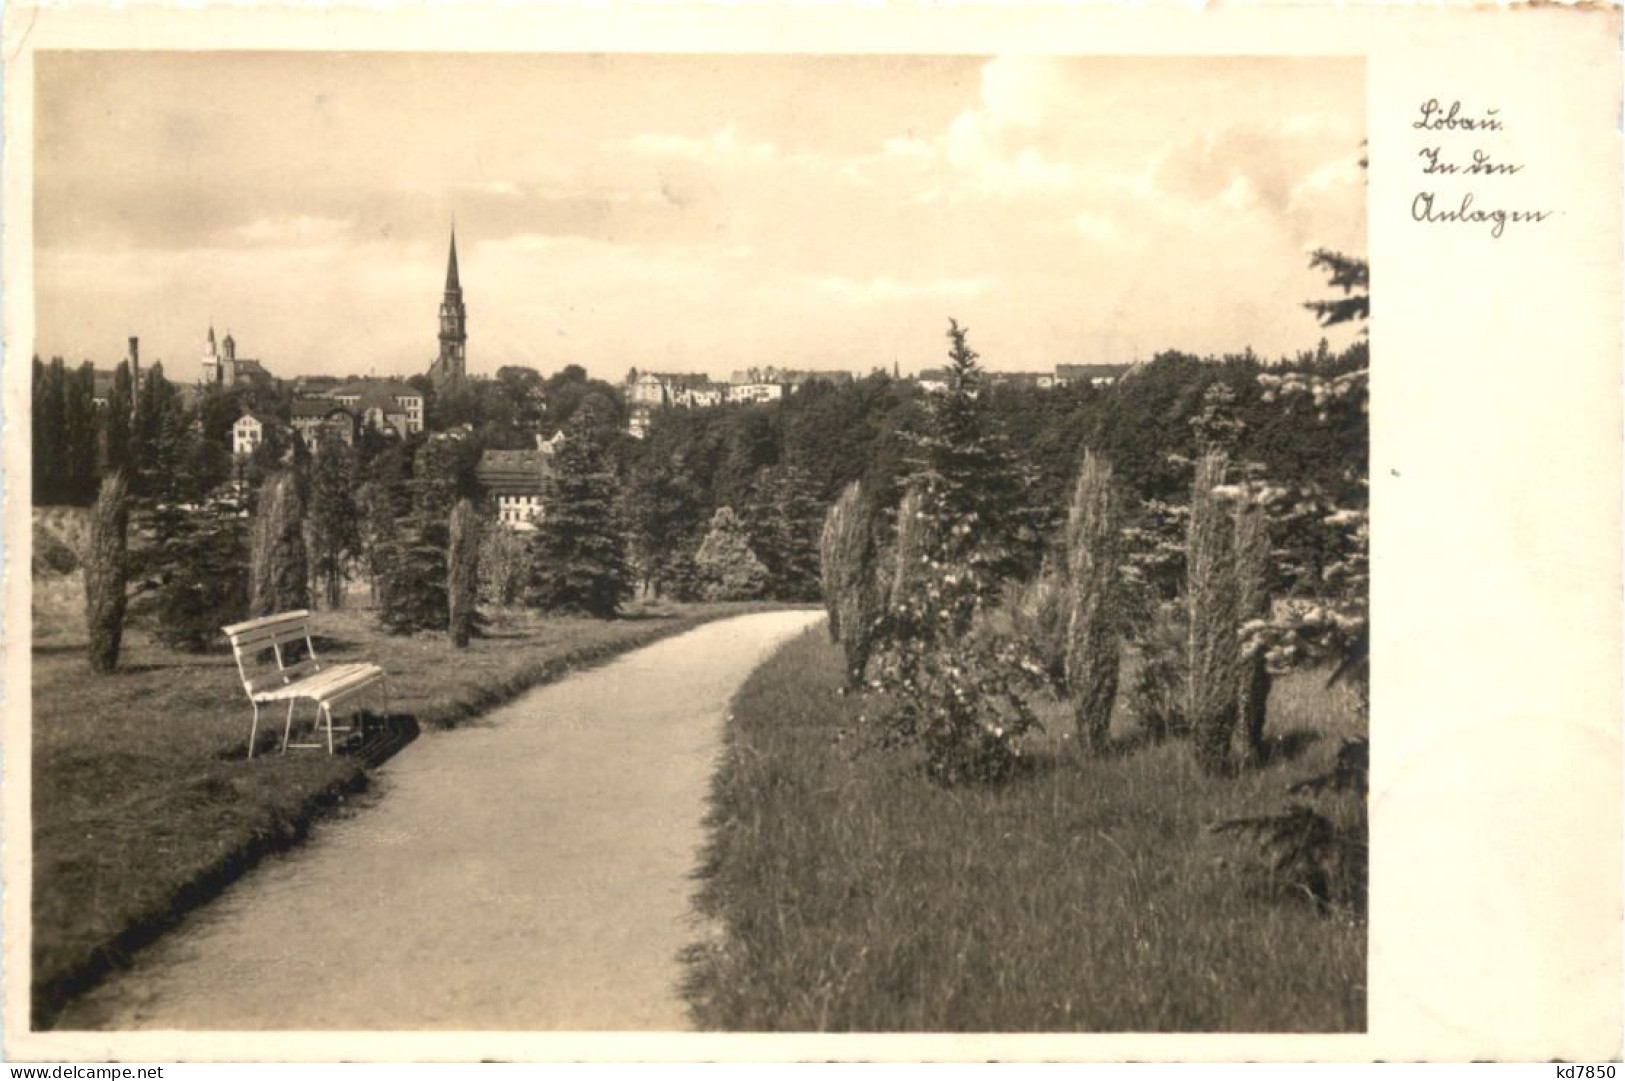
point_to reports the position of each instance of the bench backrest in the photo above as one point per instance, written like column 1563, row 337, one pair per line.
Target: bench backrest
column 258, row 641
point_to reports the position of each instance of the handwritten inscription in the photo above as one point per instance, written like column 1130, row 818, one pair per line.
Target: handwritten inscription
column 1444, row 159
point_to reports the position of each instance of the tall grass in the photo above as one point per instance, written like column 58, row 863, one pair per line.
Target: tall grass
column 850, row 893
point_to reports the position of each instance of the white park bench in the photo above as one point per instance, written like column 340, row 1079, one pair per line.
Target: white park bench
column 296, row 676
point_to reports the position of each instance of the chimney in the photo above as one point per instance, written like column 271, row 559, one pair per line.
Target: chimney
column 135, row 375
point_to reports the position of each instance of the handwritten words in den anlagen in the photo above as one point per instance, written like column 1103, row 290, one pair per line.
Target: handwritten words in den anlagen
column 1473, row 157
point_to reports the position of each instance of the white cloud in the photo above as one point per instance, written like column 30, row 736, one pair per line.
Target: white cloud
column 723, row 145
column 301, row 231
column 887, row 289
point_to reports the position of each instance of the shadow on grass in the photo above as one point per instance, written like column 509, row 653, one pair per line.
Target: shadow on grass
column 1289, row 745
column 381, row 738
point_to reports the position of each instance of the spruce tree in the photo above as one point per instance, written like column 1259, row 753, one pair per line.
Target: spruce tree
column 579, row 554
column 332, row 519
column 413, row 594
column 783, row 519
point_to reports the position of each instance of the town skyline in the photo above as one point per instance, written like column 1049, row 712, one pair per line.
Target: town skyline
column 689, row 214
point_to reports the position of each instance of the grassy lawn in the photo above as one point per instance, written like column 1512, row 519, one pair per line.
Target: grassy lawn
column 848, row 893
column 143, row 802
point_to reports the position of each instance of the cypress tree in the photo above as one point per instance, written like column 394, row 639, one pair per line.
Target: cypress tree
column 849, row 566
column 279, row 578
column 1214, row 666
column 1093, row 632
column 462, row 572
column 105, row 571
column 1252, row 553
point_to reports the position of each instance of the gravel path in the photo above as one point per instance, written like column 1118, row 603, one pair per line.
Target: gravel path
column 528, row 873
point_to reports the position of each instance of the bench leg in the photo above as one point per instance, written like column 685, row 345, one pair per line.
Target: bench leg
column 253, row 729
column 328, row 710
column 287, row 727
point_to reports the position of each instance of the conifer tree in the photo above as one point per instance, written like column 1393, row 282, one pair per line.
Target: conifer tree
column 280, row 579
column 1214, row 658
column 783, row 520
column 727, row 566
column 50, row 422
column 462, row 572
column 578, row 561
column 105, row 572
column 333, row 519
column 115, row 441
column 849, row 567
column 79, row 452
column 413, row 594
column 1094, row 627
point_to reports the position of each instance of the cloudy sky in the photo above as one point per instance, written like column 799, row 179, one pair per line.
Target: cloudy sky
column 693, row 213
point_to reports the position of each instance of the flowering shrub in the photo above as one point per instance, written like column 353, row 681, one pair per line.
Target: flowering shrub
column 946, row 679
column 960, row 696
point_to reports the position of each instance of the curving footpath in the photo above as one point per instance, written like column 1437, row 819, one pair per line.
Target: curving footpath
column 530, row 872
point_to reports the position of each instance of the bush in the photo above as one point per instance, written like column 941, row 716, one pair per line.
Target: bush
column 1038, row 613
column 462, row 572
column 728, row 568
column 1093, row 623
column 105, row 571
column 958, row 696
column 847, row 567
column 504, row 566
column 1159, row 692
column 1320, row 848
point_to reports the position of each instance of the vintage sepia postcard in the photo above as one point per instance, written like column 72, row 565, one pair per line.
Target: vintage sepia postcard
column 704, row 532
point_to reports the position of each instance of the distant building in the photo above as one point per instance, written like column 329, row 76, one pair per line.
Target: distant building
column 638, row 419
column 755, row 392
column 384, row 405
column 1038, row 380
column 1100, row 375
column 319, row 419
column 934, row 380
column 515, row 479
column 222, row 367
column 683, row 390
column 250, row 431
column 452, row 363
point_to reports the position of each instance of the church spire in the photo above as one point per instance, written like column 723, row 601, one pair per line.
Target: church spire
column 451, row 363
column 452, row 285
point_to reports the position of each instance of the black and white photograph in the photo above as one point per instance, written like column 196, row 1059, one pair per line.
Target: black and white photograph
column 782, row 544
column 721, row 542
